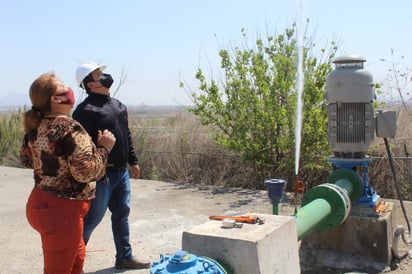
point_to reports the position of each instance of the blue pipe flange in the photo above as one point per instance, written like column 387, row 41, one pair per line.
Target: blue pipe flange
column 183, row 262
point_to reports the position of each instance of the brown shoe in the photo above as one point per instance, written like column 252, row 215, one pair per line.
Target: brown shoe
column 132, row 263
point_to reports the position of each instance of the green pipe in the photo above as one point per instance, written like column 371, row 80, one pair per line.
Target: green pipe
column 350, row 181
column 346, row 185
column 275, row 209
column 328, row 205
column 311, row 216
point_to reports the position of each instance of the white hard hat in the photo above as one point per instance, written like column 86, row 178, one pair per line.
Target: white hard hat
column 84, row 70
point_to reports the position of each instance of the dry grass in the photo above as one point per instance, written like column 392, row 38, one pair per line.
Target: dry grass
column 10, row 138
column 177, row 148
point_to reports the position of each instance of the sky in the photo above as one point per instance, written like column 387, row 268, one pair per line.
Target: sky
column 157, row 44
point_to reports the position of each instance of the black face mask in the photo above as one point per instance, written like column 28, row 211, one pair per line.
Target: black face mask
column 106, row 80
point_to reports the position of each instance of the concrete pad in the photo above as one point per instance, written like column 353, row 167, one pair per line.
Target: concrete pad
column 268, row 248
column 161, row 211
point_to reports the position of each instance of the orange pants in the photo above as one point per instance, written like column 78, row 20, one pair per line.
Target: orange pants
column 60, row 224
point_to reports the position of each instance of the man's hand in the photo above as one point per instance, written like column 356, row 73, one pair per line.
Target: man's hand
column 135, row 170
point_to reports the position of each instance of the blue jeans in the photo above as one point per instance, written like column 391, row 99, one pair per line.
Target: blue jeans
column 115, row 195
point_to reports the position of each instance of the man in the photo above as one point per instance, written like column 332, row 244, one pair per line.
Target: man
column 100, row 111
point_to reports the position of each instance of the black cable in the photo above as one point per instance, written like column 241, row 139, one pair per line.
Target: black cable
column 396, row 185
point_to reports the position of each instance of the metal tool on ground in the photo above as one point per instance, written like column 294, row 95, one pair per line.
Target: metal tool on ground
column 250, row 219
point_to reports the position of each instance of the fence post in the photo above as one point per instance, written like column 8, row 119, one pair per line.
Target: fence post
column 408, row 168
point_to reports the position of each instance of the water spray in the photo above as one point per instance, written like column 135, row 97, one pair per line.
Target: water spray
column 300, row 84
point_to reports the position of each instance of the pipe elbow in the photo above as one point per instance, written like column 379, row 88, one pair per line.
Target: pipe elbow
column 399, row 233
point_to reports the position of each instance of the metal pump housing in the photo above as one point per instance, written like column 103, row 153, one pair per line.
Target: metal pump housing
column 349, row 94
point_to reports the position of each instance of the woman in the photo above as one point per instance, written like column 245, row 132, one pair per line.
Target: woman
column 66, row 166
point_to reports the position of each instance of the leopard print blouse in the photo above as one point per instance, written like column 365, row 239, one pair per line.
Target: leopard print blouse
column 64, row 158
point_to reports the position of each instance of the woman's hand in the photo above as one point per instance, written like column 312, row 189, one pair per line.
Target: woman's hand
column 106, row 139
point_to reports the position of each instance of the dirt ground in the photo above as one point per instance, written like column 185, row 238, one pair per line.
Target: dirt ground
column 160, row 212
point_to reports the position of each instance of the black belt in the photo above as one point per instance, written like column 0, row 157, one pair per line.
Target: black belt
column 112, row 167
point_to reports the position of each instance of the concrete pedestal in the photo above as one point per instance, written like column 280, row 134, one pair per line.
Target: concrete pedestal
column 253, row 249
column 364, row 239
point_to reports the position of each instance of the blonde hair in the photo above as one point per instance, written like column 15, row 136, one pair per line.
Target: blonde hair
column 40, row 92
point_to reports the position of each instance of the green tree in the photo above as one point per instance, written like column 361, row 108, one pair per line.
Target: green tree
column 253, row 109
